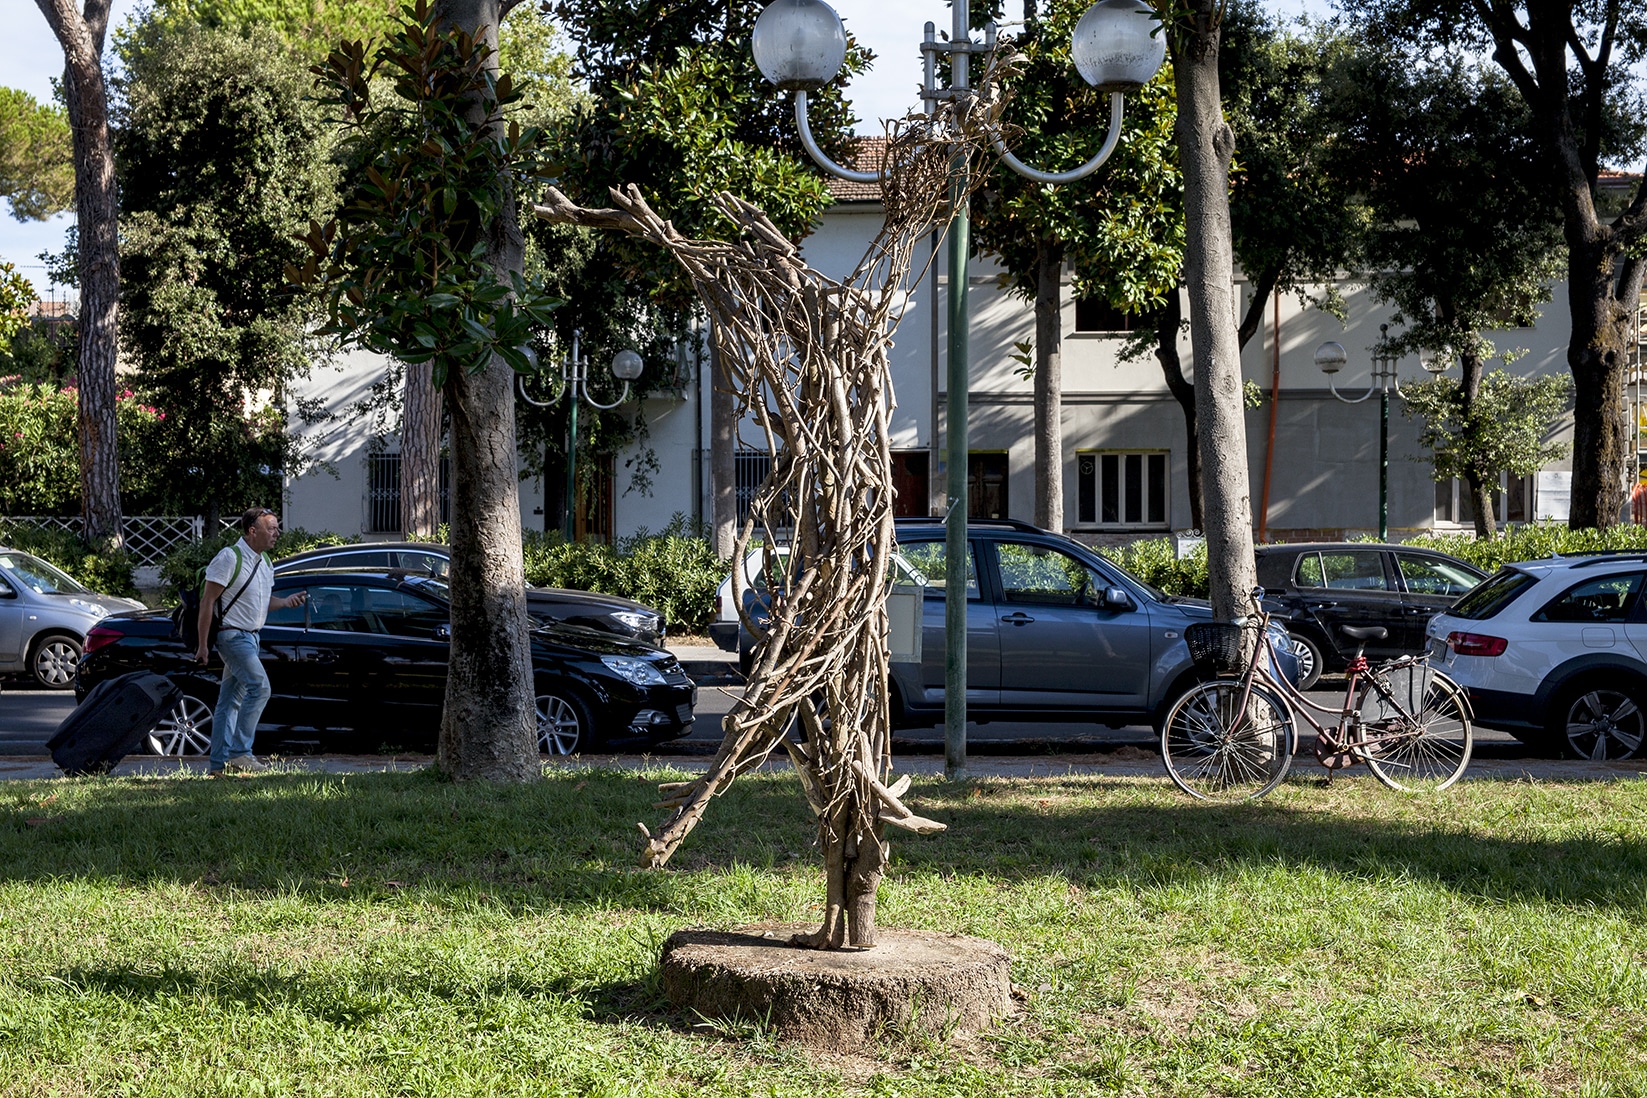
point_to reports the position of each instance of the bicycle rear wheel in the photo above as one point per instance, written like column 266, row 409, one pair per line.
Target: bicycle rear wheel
column 1422, row 749
column 1216, row 752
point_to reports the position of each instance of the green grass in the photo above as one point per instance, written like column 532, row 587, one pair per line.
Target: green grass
column 392, row 934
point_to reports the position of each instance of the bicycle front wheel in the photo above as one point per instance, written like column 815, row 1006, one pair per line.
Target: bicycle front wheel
column 1415, row 748
column 1217, row 751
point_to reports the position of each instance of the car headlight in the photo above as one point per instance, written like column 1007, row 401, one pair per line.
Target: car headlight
column 96, row 610
column 636, row 620
column 638, row 671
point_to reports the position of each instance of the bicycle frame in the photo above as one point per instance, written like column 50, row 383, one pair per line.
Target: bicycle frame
column 1337, row 736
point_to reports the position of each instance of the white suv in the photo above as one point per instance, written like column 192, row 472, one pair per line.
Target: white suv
column 1555, row 652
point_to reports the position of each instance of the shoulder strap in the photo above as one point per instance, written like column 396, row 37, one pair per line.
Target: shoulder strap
column 250, row 576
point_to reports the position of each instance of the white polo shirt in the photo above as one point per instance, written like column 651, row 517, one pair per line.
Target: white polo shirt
column 251, row 608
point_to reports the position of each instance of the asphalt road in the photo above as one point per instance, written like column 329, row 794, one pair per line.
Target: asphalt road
column 28, row 718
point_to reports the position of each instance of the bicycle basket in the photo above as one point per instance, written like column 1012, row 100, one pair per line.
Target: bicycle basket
column 1409, row 686
column 1215, row 646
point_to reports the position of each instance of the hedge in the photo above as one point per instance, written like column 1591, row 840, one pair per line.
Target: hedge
column 1154, row 560
column 182, row 567
column 107, row 572
column 675, row 572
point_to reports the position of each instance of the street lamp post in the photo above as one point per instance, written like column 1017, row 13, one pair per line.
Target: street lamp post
column 800, row 45
column 574, row 378
column 1331, row 357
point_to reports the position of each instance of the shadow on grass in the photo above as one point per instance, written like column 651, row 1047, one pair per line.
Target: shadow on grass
column 357, row 1001
column 570, row 841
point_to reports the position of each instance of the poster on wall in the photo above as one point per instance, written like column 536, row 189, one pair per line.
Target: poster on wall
column 1553, row 494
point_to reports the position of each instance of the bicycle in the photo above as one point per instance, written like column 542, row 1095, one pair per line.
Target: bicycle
column 1233, row 737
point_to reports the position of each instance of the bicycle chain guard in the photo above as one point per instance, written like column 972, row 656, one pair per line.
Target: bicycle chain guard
column 1332, row 754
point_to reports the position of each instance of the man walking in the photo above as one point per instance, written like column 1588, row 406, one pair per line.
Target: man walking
column 242, row 577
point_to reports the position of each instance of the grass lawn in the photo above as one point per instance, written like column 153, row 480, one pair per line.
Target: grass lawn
column 393, row 934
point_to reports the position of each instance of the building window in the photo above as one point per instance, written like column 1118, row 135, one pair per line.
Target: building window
column 1121, row 488
column 986, row 486
column 911, row 483
column 1094, row 314
column 383, row 492
column 750, row 469
column 1512, row 501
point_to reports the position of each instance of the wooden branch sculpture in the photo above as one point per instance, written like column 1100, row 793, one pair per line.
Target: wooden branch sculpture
column 806, row 358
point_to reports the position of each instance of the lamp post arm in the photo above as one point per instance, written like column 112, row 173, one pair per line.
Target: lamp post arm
column 811, row 145
column 1116, row 104
column 1371, row 389
column 528, row 398
column 605, row 407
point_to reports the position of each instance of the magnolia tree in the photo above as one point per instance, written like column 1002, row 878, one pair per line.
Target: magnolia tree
column 424, row 263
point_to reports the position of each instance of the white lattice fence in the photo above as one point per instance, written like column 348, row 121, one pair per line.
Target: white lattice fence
column 149, row 538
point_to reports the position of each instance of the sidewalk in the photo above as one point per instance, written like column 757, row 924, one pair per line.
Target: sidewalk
column 1124, row 761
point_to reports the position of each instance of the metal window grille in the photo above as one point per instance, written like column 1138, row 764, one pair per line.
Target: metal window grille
column 751, row 468
column 1121, row 488
column 383, row 493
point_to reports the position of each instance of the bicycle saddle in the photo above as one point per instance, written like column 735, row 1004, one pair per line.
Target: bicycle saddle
column 1364, row 632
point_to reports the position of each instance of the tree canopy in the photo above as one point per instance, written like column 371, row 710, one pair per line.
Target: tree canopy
column 36, row 156
column 224, row 161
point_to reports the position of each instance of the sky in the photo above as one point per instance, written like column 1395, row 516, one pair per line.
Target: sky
column 30, row 59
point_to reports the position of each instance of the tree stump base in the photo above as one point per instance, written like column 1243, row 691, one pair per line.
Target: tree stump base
column 912, row 982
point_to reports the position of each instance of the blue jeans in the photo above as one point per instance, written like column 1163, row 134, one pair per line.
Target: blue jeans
column 241, row 700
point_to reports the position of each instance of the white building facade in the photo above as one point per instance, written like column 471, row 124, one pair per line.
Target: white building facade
column 1124, row 437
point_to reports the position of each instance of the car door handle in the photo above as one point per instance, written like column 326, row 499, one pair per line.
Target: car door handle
column 320, row 656
column 1321, row 605
column 1019, row 618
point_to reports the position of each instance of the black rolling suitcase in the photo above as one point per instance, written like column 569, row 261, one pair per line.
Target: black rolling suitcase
column 113, row 720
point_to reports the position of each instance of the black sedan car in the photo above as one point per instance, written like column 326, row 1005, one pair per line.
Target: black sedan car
column 363, row 664
column 1315, row 589
column 608, row 613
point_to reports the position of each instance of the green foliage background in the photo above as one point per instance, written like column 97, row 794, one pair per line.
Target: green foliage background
column 223, row 158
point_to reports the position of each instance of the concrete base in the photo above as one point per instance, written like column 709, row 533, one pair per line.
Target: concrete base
column 912, row 982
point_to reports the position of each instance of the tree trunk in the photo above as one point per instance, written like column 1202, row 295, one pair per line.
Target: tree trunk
column 723, row 449
column 1476, row 482
column 1168, row 319
column 1049, row 385
column 1602, row 307
column 420, row 454
column 1603, row 284
column 853, row 866
column 488, row 730
column 1205, row 144
column 98, row 214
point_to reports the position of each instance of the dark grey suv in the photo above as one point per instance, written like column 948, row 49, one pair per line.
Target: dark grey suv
column 1054, row 632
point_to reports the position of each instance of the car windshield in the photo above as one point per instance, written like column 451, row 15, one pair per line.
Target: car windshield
column 435, row 589
column 1154, row 591
column 1495, row 594
column 39, row 576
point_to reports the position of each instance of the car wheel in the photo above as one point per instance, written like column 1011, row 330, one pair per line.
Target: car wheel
column 565, row 725
column 1602, row 723
column 186, row 729
column 1309, row 660
column 55, row 661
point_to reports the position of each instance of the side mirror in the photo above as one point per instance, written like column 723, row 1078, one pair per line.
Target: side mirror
column 1116, row 598
column 443, row 632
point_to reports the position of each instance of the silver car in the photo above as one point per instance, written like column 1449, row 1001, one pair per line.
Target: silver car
column 44, row 616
